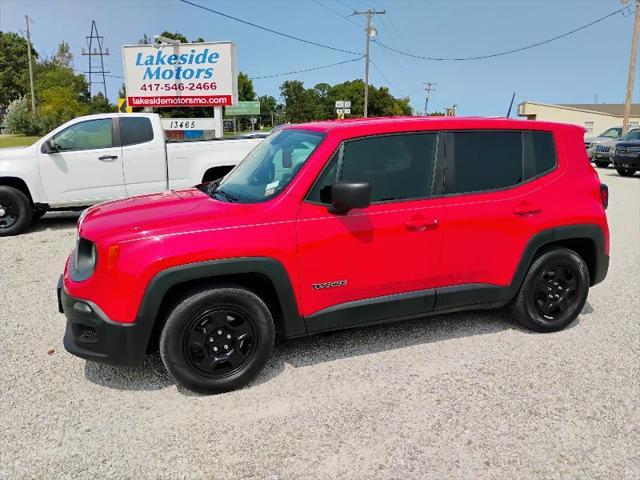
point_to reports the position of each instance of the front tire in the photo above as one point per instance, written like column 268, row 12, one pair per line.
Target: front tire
column 602, row 163
column 625, row 172
column 553, row 292
column 15, row 211
column 217, row 340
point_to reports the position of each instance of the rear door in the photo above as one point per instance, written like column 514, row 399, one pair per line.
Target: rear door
column 392, row 246
column 495, row 198
column 87, row 166
column 143, row 155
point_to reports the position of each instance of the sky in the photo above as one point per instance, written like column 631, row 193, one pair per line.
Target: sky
column 576, row 69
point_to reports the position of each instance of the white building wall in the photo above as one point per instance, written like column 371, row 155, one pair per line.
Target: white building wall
column 594, row 122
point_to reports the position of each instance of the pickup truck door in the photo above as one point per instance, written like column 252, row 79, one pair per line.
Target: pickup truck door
column 144, row 156
column 86, row 167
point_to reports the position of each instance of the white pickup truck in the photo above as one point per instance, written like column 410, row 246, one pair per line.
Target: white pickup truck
column 102, row 157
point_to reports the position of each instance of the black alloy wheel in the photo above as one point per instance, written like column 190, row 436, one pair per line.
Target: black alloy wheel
column 625, row 172
column 219, row 342
column 555, row 291
column 16, row 211
column 9, row 213
column 602, row 163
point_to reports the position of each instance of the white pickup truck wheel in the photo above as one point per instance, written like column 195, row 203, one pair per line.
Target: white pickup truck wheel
column 15, row 211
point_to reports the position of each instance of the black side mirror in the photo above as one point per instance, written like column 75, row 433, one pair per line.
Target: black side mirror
column 49, row 146
column 347, row 196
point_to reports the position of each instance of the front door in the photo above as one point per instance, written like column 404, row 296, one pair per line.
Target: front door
column 391, row 247
column 86, row 168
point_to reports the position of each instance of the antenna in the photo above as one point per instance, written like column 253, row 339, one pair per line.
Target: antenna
column 511, row 105
column 96, row 52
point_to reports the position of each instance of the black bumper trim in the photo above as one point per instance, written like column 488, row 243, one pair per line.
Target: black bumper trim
column 111, row 342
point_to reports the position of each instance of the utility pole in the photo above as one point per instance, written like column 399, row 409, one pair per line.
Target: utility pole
column 33, row 94
column 632, row 70
column 96, row 52
column 428, row 88
column 369, row 31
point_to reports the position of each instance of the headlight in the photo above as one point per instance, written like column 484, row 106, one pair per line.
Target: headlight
column 86, row 257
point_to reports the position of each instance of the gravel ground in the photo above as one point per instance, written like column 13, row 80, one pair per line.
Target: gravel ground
column 458, row 396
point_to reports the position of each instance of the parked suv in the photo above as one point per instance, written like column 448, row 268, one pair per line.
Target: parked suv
column 625, row 154
column 333, row 225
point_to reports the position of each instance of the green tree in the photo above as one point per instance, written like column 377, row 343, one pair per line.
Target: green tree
column 245, row 88
column 60, row 104
column 18, row 118
column 300, row 104
column 268, row 106
column 175, row 36
column 14, row 67
column 63, row 56
column 100, row 104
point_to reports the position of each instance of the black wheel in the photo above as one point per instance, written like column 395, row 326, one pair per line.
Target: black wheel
column 15, row 211
column 553, row 292
column 217, row 340
column 625, row 172
column 602, row 163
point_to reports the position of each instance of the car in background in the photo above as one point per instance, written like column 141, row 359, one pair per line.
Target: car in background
column 599, row 148
column 625, row 154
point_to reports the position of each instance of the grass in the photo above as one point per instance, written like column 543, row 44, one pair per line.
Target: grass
column 7, row 140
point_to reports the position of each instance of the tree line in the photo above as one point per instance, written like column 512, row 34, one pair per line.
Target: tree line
column 62, row 94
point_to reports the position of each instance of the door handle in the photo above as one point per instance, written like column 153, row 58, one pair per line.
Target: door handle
column 421, row 224
column 107, row 158
column 525, row 209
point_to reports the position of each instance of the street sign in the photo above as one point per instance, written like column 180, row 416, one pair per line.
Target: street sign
column 347, row 111
column 243, row 108
column 339, row 103
column 181, row 75
column 347, row 104
column 123, row 107
column 340, row 111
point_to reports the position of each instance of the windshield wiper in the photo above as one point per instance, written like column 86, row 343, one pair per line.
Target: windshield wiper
column 228, row 196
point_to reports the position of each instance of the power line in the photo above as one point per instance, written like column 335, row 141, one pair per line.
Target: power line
column 380, row 72
column 311, row 69
column 270, row 30
column 508, row 52
column 326, row 7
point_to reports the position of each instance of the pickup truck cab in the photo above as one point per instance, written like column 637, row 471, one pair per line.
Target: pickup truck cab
column 103, row 157
column 333, row 225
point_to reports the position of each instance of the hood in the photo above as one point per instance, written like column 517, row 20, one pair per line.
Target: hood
column 10, row 153
column 600, row 140
column 628, row 143
column 157, row 213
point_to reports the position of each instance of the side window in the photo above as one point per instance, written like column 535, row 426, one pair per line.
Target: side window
column 86, row 135
column 544, row 152
column 485, row 160
column 320, row 191
column 135, row 130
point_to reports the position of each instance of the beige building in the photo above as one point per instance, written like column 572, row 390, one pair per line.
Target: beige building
column 594, row 117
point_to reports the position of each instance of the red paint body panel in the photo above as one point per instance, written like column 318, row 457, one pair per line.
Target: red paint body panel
column 471, row 238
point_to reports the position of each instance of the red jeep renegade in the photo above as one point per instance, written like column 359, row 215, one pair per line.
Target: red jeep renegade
column 333, row 225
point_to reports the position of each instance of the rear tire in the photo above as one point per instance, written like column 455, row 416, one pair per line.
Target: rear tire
column 625, row 172
column 15, row 211
column 217, row 340
column 553, row 292
column 602, row 163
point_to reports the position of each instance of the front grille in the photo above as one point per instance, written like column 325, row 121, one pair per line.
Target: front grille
column 87, row 334
column 602, row 148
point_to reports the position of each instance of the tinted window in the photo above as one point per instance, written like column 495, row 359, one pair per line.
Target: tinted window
column 135, row 130
column 485, row 161
column 544, row 152
column 396, row 166
column 85, row 136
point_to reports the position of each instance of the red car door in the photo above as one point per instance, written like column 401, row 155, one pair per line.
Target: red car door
column 496, row 185
column 391, row 247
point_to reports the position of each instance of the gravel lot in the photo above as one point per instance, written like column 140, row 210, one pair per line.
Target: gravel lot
column 458, row 396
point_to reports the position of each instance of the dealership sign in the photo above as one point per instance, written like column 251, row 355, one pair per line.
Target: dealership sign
column 181, row 75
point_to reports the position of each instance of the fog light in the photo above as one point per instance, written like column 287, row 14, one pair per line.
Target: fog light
column 82, row 307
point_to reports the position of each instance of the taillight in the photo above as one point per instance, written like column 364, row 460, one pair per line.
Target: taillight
column 604, row 195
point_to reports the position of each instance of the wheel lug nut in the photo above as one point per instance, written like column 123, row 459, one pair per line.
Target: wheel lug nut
column 219, row 332
column 226, row 347
column 550, row 296
column 215, row 349
column 228, row 336
column 210, row 339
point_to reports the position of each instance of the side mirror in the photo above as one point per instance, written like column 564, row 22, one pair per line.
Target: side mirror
column 347, row 196
column 49, row 146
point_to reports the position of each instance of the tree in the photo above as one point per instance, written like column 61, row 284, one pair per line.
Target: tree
column 18, row 118
column 14, row 67
column 268, row 106
column 100, row 104
column 175, row 36
column 245, row 88
column 60, row 104
column 63, row 56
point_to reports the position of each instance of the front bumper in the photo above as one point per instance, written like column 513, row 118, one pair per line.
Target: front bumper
column 620, row 161
column 91, row 335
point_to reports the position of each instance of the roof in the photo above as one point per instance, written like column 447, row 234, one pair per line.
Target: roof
column 613, row 109
column 391, row 124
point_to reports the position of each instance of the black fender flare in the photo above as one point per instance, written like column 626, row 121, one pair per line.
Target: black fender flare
column 273, row 270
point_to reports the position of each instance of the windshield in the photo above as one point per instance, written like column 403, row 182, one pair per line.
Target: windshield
column 611, row 133
column 632, row 135
column 268, row 168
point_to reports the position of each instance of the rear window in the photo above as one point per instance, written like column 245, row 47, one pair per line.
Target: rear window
column 135, row 130
column 491, row 160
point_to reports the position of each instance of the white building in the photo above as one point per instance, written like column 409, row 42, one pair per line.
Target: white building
column 595, row 117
